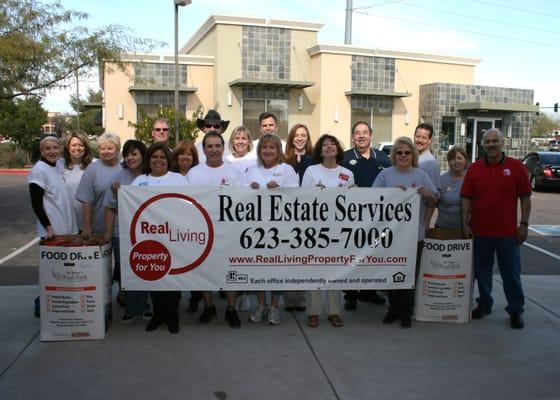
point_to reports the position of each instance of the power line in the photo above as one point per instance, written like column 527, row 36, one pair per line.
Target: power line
column 525, row 10
column 479, row 18
column 462, row 30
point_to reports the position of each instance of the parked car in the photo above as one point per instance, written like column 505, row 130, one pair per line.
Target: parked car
column 543, row 168
column 384, row 147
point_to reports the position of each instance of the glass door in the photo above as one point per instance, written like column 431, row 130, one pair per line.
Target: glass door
column 475, row 129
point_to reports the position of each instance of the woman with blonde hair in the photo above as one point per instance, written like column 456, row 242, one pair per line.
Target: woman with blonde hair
column 240, row 144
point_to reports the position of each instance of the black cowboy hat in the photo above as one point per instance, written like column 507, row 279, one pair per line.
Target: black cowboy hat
column 212, row 117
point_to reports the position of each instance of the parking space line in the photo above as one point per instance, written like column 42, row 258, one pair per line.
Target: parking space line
column 18, row 251
column 541, row 250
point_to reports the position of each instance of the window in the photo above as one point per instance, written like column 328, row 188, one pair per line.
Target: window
column 381, row 123
column 252, row 108
column 447, row 135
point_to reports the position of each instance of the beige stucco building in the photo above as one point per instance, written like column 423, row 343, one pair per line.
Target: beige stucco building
column 244, row 66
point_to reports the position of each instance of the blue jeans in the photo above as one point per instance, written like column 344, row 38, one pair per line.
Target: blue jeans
column 509, row 263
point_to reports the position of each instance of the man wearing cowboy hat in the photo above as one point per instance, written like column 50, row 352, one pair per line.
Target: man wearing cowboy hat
column 211, row 122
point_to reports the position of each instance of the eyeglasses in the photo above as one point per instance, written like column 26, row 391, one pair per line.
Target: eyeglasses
column 215, row 126
column 406, row 153
column 161, row 129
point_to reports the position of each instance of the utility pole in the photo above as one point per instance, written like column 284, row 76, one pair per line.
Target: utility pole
column 348, row 27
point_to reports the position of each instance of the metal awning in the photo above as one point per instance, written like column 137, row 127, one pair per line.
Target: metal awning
column 278, row 83
column 365, row 92
column 488, row 106
column 182, row 89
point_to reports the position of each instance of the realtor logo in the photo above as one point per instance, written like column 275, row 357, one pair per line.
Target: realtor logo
column 399, row 277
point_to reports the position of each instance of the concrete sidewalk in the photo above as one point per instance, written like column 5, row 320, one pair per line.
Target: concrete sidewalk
column 365, row 359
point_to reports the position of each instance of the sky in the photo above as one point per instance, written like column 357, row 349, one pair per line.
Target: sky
column 518, row 42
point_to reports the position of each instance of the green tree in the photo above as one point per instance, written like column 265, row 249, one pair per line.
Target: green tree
column 21, row 121
column 542, row 125
column 90, row 119
column 40, row 49
column 187, row 127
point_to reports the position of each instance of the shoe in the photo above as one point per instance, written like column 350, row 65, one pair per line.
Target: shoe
column 516, row 321
column 313, row 321
column 232, row 318
column 243, row 303
column 406, row 322
column 479, row 312
column 37, row 310
column 173, row 327
column 289, row 308
column 120, row 298
column 259, row 314
column 350, row 304
column 274, row 316
column 389, row 318
column 128, row 319
column 335, row 320
column 152, row 326
column 147, row 315
column 207, row 314
column 193, row 305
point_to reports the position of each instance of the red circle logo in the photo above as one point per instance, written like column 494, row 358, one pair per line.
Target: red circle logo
column 150, row 260
column 180, row 224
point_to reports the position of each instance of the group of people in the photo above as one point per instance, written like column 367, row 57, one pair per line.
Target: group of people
column 74, row 193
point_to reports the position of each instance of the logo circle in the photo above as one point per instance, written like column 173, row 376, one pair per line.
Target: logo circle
column 188, row 267
column 150, row 260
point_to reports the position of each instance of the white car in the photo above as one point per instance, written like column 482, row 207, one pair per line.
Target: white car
column 384, row 147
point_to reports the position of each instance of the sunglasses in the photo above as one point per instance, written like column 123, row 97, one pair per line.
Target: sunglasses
column 161, row 129
column 406, row 153
column 215, row 126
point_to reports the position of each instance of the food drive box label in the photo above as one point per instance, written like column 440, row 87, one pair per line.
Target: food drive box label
column 444, row 287
column 234, row 238
column 75, row 284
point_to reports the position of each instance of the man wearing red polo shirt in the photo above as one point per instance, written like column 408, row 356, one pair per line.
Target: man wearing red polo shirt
column 489, row 214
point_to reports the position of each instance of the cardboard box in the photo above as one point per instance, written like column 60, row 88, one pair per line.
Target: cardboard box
column 445, row 280
column 75, row 289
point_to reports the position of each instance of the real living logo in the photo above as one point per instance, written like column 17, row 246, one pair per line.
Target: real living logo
column 170, row 233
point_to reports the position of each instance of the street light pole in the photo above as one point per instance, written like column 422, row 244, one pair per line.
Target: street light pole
column 177, row 3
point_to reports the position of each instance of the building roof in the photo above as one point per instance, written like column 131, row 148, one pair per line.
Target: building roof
column 214, row 20
column 397, row 54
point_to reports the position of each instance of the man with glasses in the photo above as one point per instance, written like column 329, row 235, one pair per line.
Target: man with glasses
column 160, row 131
column 366, row 163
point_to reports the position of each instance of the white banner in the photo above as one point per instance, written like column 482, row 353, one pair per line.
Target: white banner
column 227, row 238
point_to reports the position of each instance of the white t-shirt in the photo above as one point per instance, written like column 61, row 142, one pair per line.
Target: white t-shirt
column 283, row 174
column 169, row 179
column 57, row 200
column 243, row 163
column 72, row 179
column 329, row 177
column 224, row 175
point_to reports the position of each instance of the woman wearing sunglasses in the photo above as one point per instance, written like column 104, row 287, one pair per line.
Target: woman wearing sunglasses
column 405, row 174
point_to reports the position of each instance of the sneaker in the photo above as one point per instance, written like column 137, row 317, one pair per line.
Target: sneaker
column 207, row 314
column 274, row 316
column 232, row 318
column 260, row 314
column 147, row 315
column 243, row 303
column 127, row 319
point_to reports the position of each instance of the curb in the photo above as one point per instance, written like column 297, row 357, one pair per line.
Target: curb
column 14, row 171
